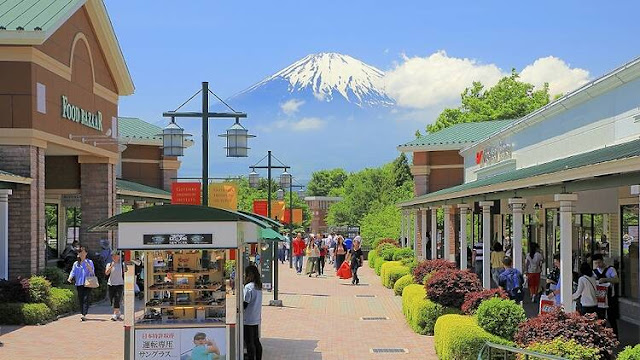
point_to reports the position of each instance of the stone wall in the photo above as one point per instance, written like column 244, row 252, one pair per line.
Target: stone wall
column 97, row 186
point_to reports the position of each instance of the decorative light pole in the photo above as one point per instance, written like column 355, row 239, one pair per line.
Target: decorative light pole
column 291, row 186
column 173, row 135
column 285, row 181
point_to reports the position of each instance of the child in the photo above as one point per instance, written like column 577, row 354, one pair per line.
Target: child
column 204, row 348
column 511, row 281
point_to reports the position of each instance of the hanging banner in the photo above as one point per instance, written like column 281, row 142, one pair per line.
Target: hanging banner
column 223, row 195
column 277, row 209
column 297, row 216
column 186, row 193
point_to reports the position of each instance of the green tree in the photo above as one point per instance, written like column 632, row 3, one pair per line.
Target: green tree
column 510, row 98
column 323, row 181
column 401, row 170
column 382, row 222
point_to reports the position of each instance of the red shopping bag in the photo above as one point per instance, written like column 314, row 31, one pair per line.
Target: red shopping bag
column 344, row 272
column 601, row 295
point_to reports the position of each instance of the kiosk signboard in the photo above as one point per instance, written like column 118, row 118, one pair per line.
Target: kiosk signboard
column 181, row 343
column 265, row 268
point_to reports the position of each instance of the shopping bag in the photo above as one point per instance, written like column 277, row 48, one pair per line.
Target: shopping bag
column 601, row 295
column 344, row 272
column 547, row 303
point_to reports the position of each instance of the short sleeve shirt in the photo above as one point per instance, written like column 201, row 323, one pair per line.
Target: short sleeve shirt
column 253, row 312
column 200, row 353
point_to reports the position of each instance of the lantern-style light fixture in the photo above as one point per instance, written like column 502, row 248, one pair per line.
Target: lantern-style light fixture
column 285, row 179
column 254, row 179
column 173, row 137
column 301, row 193
column 237, row 140
column 280, row 194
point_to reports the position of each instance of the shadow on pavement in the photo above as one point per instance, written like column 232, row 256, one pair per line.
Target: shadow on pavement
column 287, row 348
column 6, row 329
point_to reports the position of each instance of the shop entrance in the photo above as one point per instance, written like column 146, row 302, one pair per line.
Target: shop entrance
column 629, row 265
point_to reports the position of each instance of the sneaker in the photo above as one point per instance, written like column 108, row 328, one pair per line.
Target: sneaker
column 120, row 317
column 83, row 318
column 114, row 317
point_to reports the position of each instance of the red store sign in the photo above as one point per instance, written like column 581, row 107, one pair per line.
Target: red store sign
column 186, row 193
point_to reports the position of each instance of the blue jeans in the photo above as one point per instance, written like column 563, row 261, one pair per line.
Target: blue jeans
column 298, row 263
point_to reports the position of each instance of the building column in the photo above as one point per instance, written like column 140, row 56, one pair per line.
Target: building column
column 486, row 243
column 415, row 229
column 635, row 190
column 464, row 208
column 434, row 233
column 423, row 234
column 446, row 241
column 401, row 228
column 517, row 206
column 4, row 233
column 98, row 190
column 407, row 230
column 566, row 248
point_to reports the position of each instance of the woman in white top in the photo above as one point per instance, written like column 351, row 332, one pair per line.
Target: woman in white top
column 533, row 268
column 115, row 272
column 586, row 290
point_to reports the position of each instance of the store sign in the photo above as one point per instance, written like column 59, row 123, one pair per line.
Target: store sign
column 297, row 216
column 186, row 193
column 181, row 343
column 71, row 200
column 266, row 274
column 223, row 196
column 82, row 116
column 494, row 154
column 178, row 239
column 277, row 208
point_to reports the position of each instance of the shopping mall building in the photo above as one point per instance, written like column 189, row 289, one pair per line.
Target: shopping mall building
column 66, row 159
column 566, row 176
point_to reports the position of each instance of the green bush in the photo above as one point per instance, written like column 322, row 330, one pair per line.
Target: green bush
column 39, row 289
column 371, row 258
column 37, row 313
column 386, row 251
column 500, row 317
column 55, row 275
column 62, row 301
column 395, row 273
column 11, row 314
column 411, row 263
column 459, row 337
column 569, row 349
column 421, row 313
column 402, row 253
column 402, row 283
column 377, row 266
column 384, row 269
column 630, row 353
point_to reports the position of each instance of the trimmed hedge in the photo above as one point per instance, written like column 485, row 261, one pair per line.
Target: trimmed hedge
column 500, row 317
column 402, row 283
column 386, row 251
column 62, row 301
column 371, row 258
column 377, row 243
column 420, row 312
column 569, row 349
column 394, row 274
column 402, row 253
column 377, row 265
column 459, row 337
column 39, row 289
column 387, row 269
column 28, row 314
column 55, row 275
column 630, row 353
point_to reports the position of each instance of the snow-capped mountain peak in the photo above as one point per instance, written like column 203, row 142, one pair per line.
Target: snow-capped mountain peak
column 328, row 75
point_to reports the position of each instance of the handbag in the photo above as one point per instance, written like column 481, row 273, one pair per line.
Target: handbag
column 91, row 281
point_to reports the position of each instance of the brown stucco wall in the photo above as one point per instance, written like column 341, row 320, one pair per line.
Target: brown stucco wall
column 145, row 152
column 62, row 172
column 148, row 174
column 445, row 158
column 15, row 94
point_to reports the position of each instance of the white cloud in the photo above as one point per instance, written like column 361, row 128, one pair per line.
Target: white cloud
column 437, row 80
column 561, row 78
column 308, row 123
column 292, row 106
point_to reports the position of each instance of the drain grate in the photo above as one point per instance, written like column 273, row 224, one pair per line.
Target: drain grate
column 389, row 351
column 365, row 296
column 374, row 318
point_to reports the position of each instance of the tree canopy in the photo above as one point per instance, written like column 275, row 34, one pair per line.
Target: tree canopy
column 323, row 181
column 510, row 98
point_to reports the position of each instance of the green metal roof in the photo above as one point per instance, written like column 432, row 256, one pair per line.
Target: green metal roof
column 130, row 127
column 270, row 234
column 272, row 222
column 610, row 153
column 127, row 185
column 6, row 173
column 174, row 213
column 35, row 15
column 460, row 134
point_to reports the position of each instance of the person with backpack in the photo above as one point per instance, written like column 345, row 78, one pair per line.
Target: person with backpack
column 607, row 275
column 511, row 281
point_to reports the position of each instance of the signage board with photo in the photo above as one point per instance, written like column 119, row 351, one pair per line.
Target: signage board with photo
column 178, row 239
column 181, row 344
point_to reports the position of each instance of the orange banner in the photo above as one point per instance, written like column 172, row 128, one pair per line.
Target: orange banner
column 277, row 208
column 223, row 196
column 186, row 193
column 297, row 216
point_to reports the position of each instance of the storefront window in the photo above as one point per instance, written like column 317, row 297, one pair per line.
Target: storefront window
column 51, row 221
column 629, row 265
column 552, row 243
column 74, row 220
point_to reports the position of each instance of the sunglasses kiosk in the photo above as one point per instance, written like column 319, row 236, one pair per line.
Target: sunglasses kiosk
column 187, row 311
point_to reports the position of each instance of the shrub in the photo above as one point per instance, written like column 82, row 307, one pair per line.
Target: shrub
column 586, row 330
column 568, row 349
column 386, row 251
column 39, row 289
column 630, row 353
column 62, row 301
column 371, row 258
column 449, row 287
column 500, row 317
column 377, row 266
column 229, row 265
column 379, row 242
column 11, row 313
column 427, row 266
column 55, row 275
column 421, row 313
column 410, row 263
column 459, row 337
column 14, row 291
column 402, row 283
column 402, row 253
column 473, row 299
column 384, row 268
column 392, row 271
column 37, row 313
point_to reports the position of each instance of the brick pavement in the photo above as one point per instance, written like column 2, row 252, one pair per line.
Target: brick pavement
column 320, row 320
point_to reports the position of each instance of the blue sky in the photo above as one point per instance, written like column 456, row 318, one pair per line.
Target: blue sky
column 172, row 46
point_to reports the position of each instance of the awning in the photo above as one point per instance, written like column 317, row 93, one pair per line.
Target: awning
column 270, row 234
column 272, row 222
column 610, row 160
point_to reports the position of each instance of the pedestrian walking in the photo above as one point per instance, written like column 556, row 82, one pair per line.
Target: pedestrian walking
column 341, row 251
column 511, row 280
column 332, row 250
column 298, row 252
column 314, row 259
column 115, row 271
column 281, row 252
column 607, row 275
column 323, row 248
column 533, row 268
column 357, row 258
column 252, row 304
column 82, row 269
column 586, row 291
column 497, row 255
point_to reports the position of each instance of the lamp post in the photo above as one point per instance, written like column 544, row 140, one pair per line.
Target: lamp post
column 285, row 181
column 291, row 186
column 237, row 136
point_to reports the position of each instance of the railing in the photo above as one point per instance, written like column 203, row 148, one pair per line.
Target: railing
column 491, row 351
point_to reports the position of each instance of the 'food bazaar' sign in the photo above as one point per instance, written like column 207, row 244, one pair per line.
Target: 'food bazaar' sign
column 494, row 154
column 82, row 116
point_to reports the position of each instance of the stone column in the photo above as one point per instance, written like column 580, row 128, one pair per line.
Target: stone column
column 434, row 232
column 464, row 208
column 401, row 228
column 169, row 167
column 486, row 243
column 97, row 186
column 566, row 248
column 415, row 230
column 446, row 241
column 4, row 233
column 423, row 233
column 407, row 230
column 517, row 206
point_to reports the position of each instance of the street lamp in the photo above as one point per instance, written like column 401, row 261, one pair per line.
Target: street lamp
column 280, row 194
column 173, row 138
column 237, row 138
column 254, row 179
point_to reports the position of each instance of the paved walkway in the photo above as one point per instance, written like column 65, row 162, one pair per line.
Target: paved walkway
column 320, row 320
